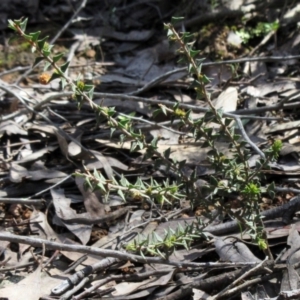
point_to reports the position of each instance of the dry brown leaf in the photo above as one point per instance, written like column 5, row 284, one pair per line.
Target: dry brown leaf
column 41, row 226
column 11, row 128
column 17, row 173
column 227, row 100
column 34, row 286
column 36, row 154
column 74, row 149
column 283, row 126
column 126, row 288
column 64, row 211
column 229, row 249
column 92, row 204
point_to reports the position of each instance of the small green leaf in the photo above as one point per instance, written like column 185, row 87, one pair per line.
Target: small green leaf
column 57, row 57
column 35, row 36
column 227, row 122
column 191, row 69
column 47, row 65
column 41, row 43
column 208, row 131
column 169, row 33
column 206, row 144
column 208, row 116
column 96, row 174
column 101, row 187
column 124, row 181
column 46, row 52
column 27, row 37
column 205, row 79
column 271, row 190
column 167, row 153
column 87, row 87
column 112, row 130
column 166, row 26
column 88, row 184
column 154, row 142
column 184, row 243
column 258, row 164
column 63, row 83
column 193, row 53
column 121, row 194
column 157, row 237
column 37, row 61
column 220, row 112
column 141, row 145
column 91, row 93
column 122, row 138
column 236, row 137
column 176, row 20
column 23, row 24
column 163, row 110
column 142, row 255
column 54, row 76
column 64, row 67
column 156, row 112
column 18, row 22
column 12, row 25
column 213, row 181
column 161, row 254
column 133, row 146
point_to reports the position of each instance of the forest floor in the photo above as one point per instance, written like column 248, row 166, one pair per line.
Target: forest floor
column 62, row 240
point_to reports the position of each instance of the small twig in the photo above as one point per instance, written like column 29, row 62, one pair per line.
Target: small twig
column 51, row 187
column 196, row 108
column 20, row 144
column 245, row 136
column 263, row 42
column 22, row 201
column 18, row 266
column 75, row 264
column 243, row 286
column 14, row 70
column 287, row 190
column 54, row 255
column 22, row 223
column 157, row 80
column 64, row 28
column 76, row 288
column 71, row 54
column 238, row 280
column 152, row 123
column 4, row 262
column 56, row 114
column 161, row 78
column 112, row 253
column 78, row 276
column 178, row 121
column 241, row 113
column 183, row 292
column 127, row 277
column 263, row 109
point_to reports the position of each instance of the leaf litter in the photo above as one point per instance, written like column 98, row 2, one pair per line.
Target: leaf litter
column 37, row 159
